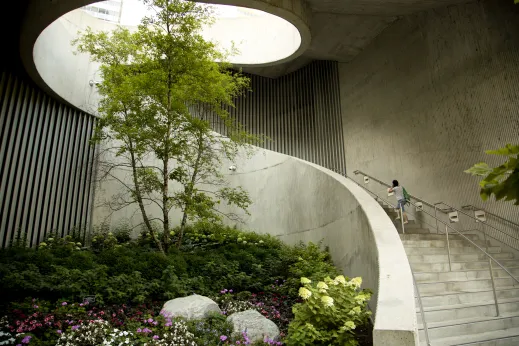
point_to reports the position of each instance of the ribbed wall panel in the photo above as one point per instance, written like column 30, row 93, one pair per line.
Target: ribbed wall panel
column 46, row 163
column 300, row 114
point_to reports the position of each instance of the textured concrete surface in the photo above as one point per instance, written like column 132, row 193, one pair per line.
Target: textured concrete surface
column 429, row 95
column 299, row 201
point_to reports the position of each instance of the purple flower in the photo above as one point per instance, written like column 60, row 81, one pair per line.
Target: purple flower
column 150, row 320
column 223, row 338
column 35, row 306
column 139, row 330
column 168, row 324
column 26, row 340
column 230, row 291
column 75, row 327
column 155, row 337
column 64, row 303
column 146, row 330
column 59, row 331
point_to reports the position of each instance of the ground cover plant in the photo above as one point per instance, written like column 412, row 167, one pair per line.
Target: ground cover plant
column 112, row 292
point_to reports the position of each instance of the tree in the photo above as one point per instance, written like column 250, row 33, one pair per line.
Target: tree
column 501, row 181
column 198, row 172
column 152, row 81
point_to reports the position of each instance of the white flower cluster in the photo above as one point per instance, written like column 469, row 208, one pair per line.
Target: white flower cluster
column 238, row 306
column 6, row 338
column 119, row 338
column 178, row 335
column 88, row 334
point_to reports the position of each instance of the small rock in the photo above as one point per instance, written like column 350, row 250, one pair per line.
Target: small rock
column 255, row 324
column 194, row 307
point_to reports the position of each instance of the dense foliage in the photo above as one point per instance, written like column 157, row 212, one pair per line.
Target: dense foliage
column 163, row 87
column 114, row 290
column 501, row 181
column 330, row 313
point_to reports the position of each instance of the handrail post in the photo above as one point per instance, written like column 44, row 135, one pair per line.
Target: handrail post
column 484, row 235
column 448, row 247
column 426, row 329
column 436, row 218
column 493, row 285
column 402, row 219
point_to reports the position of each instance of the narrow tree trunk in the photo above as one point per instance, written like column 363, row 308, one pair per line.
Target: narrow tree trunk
column 190, row 189
column 138, row 196
column 165, row 208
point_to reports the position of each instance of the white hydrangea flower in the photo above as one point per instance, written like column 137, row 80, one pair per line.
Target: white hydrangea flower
column 305, row 281
column 304, row 293
column 327, row 301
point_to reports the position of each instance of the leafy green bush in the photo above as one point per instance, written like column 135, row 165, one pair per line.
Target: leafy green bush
column 330, row 313
column 120, row 273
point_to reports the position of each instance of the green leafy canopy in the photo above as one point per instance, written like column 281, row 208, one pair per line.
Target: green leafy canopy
column 163, row 89
column 501, row 181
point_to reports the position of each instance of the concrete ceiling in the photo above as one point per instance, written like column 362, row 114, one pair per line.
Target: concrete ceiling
column 332, row 29
column 341, row 29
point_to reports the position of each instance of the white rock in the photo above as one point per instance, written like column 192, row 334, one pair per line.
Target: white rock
column 193, row 307
column 254, row 324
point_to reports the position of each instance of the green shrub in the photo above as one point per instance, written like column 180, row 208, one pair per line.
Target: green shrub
column 330, row 312
column 119, row 273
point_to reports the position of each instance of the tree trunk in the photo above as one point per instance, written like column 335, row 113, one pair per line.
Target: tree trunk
column 138, row 196
column 190, row 189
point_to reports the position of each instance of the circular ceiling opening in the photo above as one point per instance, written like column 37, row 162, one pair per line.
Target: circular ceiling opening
column 259, row 37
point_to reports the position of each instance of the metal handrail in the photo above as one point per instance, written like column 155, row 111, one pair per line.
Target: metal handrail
column 387, row 185
column 474, row 208
column 474, row 218
column 422, row 313
column 435, row 206
column 447, row 227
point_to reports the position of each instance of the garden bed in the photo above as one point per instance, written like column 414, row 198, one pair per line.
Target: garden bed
column 112, row 292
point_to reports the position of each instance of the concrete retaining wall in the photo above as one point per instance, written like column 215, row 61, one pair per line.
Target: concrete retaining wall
column 299, row 201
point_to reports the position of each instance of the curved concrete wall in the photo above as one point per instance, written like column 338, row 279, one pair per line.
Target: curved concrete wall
column 296, row 201
column 299, row 201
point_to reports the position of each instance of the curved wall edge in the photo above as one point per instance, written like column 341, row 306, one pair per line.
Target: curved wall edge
column 296, row 200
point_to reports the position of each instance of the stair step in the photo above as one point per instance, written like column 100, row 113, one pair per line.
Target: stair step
column 441, row 243
column 412, row 224
column 464, row 275
column 459, row 266
column 468, row 327
column 458, row 257
column 443, row 250
column 461, row 286
column 463, row 311
column 417, row 230
column 508, row 337
column 476, row 296
column 434, row 236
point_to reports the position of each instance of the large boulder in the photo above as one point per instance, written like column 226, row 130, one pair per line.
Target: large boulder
column 194, row 307
column 254, row 324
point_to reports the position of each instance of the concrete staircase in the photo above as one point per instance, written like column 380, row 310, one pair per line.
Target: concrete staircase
column 459, row 304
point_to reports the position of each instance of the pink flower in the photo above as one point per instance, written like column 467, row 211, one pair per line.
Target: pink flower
column 64, row 303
